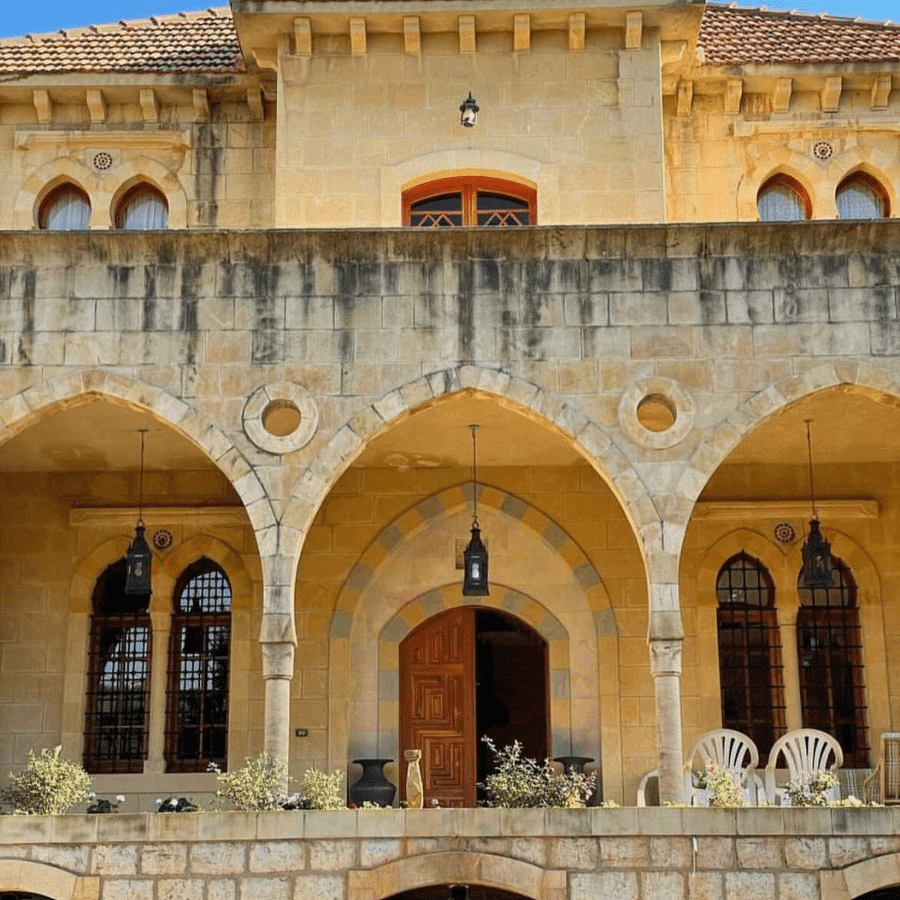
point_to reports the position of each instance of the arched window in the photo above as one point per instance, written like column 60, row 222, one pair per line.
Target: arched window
column 118, row 707
column 449, row 202
column 749, row 651
column 65, row 208
column 197, row 697
column 861, row 197
column 829, row 649
column 781, row 199
column 143, row 208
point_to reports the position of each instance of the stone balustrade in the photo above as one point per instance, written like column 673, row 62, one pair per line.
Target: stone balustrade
column 644, row 854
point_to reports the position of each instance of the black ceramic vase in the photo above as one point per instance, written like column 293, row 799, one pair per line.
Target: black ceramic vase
column 373, row 787
column 576, row 764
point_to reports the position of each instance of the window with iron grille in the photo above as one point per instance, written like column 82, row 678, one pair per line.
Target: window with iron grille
column 750, row 669
column 451, row 202
column 197, row 697
column 117, row 709
column 829, row 651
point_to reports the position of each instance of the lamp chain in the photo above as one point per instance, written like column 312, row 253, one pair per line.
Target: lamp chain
column 473, row 429
column 812, row 492
column 141, row 480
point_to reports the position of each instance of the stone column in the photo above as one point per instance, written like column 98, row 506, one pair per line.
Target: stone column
column 665, row 666
column 277, row 639
column 278, row 668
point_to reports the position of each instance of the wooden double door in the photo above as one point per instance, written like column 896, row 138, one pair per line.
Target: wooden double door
column 465, row 673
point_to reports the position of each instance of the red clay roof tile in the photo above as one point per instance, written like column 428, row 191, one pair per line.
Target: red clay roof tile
column 186, row 42
column 731, row 35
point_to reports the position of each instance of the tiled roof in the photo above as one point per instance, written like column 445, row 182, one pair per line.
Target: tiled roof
column 187, row 42
column 730, row 35
column 206, row 42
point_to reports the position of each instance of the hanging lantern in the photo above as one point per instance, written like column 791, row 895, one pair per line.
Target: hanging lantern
column 475, row 566
column 138, row 559
column 475, row 557
column 816, row 552
column 137, row 564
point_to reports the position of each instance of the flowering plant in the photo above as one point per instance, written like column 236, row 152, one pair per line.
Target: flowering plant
column 99, row 805
column 256, row 786
column 175, row 805
column 811, row 790
column 47, row 785
column 523, row 783
column 723, row 786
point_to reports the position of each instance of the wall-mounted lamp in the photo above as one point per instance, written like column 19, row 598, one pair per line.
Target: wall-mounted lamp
column 468, row 112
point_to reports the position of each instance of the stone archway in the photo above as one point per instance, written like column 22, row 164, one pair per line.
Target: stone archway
column 467, row 673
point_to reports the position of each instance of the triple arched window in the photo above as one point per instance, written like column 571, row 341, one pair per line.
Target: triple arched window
column 118, row 707
column 829, row 658
column 470, row 200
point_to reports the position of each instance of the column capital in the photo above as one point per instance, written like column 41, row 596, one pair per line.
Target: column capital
column 665, row 657
column 277, row 660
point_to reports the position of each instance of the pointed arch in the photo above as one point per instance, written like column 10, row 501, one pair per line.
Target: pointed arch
column 594, row 442
column 874, row 382
column 44, row 398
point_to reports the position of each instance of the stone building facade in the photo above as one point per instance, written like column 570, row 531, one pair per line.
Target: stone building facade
column 206, row 239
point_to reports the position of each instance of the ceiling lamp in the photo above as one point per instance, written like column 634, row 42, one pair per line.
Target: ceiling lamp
column 468, row 111
column 475, row 557
column 816, row 551
column 138, row 559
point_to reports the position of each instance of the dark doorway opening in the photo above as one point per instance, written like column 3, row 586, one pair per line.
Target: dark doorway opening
column 457, row 892
column 465, row 673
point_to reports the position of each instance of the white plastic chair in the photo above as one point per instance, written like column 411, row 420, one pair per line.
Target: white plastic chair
column 883, row 785
column 731, row 751
column 806, row 752
column 645, row 792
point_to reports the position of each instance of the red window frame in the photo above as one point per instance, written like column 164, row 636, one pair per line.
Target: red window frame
column 469, row 187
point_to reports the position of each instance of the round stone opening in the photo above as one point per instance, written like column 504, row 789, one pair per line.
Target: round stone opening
column 656, row 412
column 281, row 418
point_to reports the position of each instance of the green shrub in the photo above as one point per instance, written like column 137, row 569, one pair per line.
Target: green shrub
column 523, row 783
column 256, row 786
column 47, row 786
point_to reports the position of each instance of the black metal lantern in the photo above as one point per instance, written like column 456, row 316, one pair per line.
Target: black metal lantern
column 475, row 566
column 468, row 111
column 138, row 559
column 475, row 556
column 137, row 564
column 816, row 552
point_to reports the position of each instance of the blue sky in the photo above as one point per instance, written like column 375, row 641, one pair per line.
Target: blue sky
column 48, row 15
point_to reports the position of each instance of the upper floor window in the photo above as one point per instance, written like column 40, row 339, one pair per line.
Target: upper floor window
column 199, row 651
column 143, row 208
column 861, row 197
column 118, row 709
column 450, row 202
column 749, row 651
column 65, row 208
column 829, row 650
column 781, row 199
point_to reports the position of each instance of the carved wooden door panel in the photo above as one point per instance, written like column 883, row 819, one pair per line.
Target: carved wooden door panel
column 437, row 705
